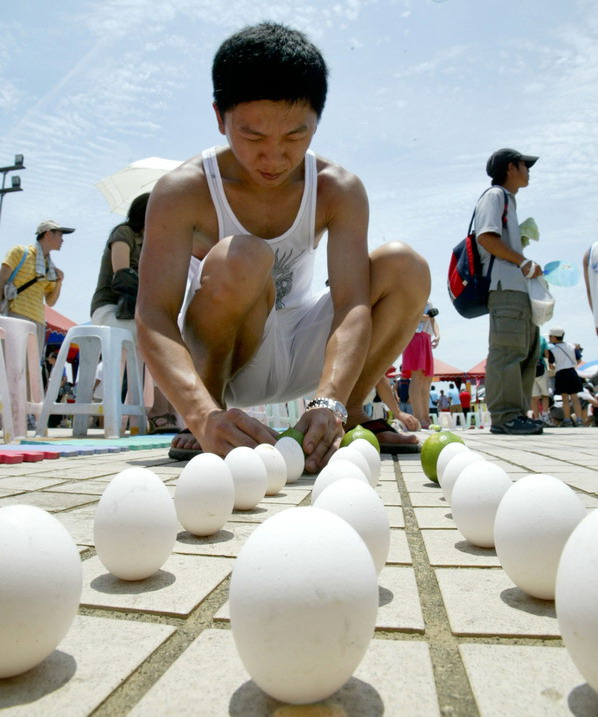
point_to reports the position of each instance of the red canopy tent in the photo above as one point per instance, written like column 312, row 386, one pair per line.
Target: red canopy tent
column 56, row 327
column 478, row 371
column 445, row 372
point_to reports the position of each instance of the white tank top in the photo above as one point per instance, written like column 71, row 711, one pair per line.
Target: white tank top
column 593, row 279
column 294, row 250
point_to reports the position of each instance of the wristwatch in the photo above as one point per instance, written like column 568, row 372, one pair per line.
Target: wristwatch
column 335, row 406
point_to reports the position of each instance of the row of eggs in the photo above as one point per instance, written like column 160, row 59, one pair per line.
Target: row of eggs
column 135, row 529
column 545, row 540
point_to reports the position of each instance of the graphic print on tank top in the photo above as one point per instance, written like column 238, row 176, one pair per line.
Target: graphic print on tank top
column 293, row 250
column 282, row 272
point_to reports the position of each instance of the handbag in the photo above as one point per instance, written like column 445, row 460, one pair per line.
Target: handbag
column 540, row 368
column 125, row 283
column 541, row 300
column 10, row 290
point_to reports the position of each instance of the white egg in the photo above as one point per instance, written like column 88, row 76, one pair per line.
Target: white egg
column 454, row 467
column 371, row 455
column 293, row 457
column 336, row 470
column 204, row 494
column 362, row 508
column 40, row 586
column 450, row 450
column 347, row 453
column 475, row 499
column 276, row 468
column 303, row 603
column 533, row 522
column 135, row 524
column 249, row 475
column 576, row 598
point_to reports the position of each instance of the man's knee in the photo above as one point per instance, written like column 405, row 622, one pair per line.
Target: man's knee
column 238, row 267
column 399, row 267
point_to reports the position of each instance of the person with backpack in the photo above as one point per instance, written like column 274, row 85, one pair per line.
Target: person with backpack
column 513, row 336
column 28, row 277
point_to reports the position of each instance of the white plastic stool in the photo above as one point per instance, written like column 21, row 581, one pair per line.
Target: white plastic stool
column 23, row 371
column 5, row 412
column 445, row 419
column 473, row 419
column 459, row 420
column 117, row 348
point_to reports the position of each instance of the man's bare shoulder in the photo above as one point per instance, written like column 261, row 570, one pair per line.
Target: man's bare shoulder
column 187, row 179
column 335, row 179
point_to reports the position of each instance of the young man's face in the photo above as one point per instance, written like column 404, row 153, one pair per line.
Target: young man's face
column 519, row 172
column 269, row 139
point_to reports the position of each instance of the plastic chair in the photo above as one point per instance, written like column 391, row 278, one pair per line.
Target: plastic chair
column 459, row 420
column 117, row 349
column 5, row 410
column 23, row 371
column 445, row 419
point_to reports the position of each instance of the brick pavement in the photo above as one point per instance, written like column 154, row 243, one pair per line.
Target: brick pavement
column 453, row 636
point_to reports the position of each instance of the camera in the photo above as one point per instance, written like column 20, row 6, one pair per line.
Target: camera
column 432, row 312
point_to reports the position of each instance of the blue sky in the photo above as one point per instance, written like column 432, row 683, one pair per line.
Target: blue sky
column 421, row 93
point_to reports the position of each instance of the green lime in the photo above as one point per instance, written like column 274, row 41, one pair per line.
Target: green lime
column 360, row 432
column 293, row 433
column 431, row 450
column 435, row 427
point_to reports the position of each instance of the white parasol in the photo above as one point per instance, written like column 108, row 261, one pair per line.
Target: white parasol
column 122, row 187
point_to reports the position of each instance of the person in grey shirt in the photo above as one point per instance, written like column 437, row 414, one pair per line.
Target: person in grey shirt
column 513, row 336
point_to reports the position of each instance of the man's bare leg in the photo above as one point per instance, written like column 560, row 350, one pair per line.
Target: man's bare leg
column 400, row 287
column 226, row 317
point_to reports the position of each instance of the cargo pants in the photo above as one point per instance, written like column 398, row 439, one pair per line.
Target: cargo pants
column 514, row 343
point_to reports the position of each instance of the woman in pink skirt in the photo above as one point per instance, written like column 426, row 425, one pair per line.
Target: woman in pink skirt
column 418, row 363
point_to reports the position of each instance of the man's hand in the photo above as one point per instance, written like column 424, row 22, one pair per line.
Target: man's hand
column 530, row 269
column 225, row 430
column 323, row 433
column 59, row 274
column 411, row 422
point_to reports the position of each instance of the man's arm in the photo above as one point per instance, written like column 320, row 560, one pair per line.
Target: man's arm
column 5, row 272
column 384, row 390
column 349, row 276
column 175, row 204
column 53, row 294
column 586, row 276
column 493, row 244
column 436, row 330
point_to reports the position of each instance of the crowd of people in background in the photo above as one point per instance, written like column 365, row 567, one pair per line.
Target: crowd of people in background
column 223, row 314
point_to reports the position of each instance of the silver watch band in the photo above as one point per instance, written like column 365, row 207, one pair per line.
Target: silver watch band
column 331, row 404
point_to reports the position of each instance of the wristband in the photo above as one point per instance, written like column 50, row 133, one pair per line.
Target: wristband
column 532, row 269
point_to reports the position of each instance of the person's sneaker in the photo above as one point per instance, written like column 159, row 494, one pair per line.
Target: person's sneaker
column 537, row 421
column 548, row 422
column 566, row 423
column 520, row 426
column 578, row 422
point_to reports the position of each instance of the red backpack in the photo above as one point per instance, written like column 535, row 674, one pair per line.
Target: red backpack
column 468, row 287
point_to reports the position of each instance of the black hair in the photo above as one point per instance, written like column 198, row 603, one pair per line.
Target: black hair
column 269, row 61
column 500, row 174
column 136, row 215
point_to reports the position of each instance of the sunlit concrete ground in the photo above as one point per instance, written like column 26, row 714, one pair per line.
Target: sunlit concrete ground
column 454, row 636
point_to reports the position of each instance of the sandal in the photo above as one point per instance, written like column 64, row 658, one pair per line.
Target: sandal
column 165, row 423
column 379, row 425
column 183, row 454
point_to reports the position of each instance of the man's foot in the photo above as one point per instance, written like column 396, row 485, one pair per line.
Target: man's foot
column 184, row 446
column 520, row 426
column 391, row 440
column 165, row 423
column 566, row 423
